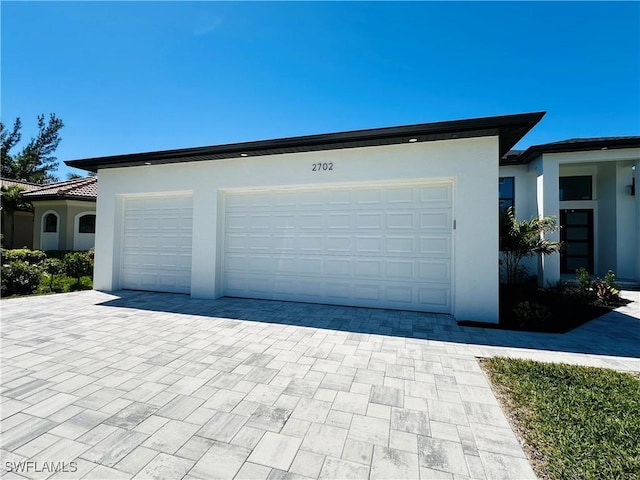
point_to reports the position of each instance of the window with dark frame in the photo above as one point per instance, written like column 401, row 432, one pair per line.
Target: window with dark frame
column 50, row 223
column 506, row 196
column 87, row 224
column 576, row 188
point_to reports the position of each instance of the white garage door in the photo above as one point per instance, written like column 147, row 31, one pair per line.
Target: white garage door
column 385, row 246
column 157, row 244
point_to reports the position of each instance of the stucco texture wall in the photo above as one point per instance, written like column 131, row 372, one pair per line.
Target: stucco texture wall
column 471, row 164
column 66, row 210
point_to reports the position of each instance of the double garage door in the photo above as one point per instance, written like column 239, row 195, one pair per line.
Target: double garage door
column 376, row 246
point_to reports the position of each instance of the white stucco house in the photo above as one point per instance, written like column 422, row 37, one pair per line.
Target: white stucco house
column 402, row 217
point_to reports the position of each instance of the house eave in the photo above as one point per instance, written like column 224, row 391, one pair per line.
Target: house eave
column 509, row 128
column 585, row 145
column 37, row 198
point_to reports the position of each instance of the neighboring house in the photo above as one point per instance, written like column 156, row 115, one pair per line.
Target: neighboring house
column 23, row 219
column 64, row 214
column 402, row 217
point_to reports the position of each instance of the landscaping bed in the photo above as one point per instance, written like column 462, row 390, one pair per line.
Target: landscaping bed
column 575, row 422
column 33, row 272
column 527, row 307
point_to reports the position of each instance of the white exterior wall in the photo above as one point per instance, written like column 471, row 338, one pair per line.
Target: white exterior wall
column 525, row 201
column 525, row 189
column 546, row 169
column 627, row 246
column 636, row 246
column 472, row 165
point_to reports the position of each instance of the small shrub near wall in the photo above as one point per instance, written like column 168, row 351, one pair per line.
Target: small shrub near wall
column 77, row 265
column 20, row 278
column 34, row 257
column 25, row 272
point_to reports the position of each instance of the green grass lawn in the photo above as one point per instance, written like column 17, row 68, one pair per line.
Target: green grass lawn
column 577, row 422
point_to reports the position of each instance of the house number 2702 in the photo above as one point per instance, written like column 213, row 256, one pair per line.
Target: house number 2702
column 320, row 167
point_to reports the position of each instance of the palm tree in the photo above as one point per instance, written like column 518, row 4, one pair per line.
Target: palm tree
column 12, row 202
column 524, row 238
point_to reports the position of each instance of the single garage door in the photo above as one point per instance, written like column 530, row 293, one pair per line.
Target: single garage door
column 384, row 246
column 157, row 244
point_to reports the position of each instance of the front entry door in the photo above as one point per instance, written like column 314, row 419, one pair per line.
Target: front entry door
column 576, row 232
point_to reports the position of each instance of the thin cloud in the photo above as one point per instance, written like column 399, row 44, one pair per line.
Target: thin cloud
column 206, row 25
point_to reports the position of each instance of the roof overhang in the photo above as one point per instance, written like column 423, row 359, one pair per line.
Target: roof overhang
column 578, row 145
column 509, row 128
column 37, row 198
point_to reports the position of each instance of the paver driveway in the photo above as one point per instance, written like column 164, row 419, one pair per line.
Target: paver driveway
column 164, row 386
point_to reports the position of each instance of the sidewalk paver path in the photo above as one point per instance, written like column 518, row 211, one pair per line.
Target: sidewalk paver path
column 148, row 385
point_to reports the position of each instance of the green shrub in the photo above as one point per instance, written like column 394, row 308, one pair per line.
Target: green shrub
column 599, row 291
column 35, row 257
column 77, row 265
column 52, row 267
column 20, row 278
column 584, row 282
column 607, row 291
column 530, row 313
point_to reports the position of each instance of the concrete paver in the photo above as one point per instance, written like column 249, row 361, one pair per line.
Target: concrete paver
column 152, row 385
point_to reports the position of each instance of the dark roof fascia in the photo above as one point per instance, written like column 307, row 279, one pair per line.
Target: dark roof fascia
column 509, row 128
column 35, row 198
column 535, row 151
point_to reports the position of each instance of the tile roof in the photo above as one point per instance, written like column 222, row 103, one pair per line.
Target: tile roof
column 80, row 188
column 26, row 186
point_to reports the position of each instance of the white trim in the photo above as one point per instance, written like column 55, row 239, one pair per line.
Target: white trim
column 77, row 236
column 49, row 235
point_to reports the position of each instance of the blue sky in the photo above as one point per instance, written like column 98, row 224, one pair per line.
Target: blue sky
column 141, row 76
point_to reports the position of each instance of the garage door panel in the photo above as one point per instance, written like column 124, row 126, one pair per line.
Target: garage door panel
column 366, row 267
column 435, row 271
column 368, row 245
column 371, row 196
column 435, row 220
column 368, row 293
column 156, row 244
column 400, row 295
column 340, row 266
column 369, row 220
column 335, row 244
column 401, row 269
column 375, row 246
column 339, row 221
column 338, row 197
column 401, row 220
column 431, row 246
column 401, row 196
column 438, row 297
column 401, row 245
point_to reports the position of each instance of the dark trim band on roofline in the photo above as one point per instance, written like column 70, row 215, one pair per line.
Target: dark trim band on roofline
column 80, row 198
column 579, row 144
column 510, row 129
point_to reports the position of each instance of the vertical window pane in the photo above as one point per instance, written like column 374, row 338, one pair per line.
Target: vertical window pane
column 506, row 187
column 87, row 224
column 50, row 223
column 506, row 191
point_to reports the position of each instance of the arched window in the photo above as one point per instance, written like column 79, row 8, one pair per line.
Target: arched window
column 50, row 224
column 87, row 224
